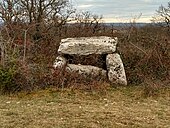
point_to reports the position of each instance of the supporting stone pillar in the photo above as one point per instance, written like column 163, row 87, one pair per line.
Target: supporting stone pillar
column 115, row 68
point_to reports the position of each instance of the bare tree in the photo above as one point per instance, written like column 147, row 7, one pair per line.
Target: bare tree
column 163, row 16
column 35, row 11
column 41, row 15
column 88, row 20
column 38, row 11
column 9, row 10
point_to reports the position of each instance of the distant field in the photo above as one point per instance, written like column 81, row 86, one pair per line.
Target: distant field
column 114, row 107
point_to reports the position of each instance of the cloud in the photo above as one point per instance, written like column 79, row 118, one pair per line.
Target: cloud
column 147, row 1
column 121, row 9
column 84, row 6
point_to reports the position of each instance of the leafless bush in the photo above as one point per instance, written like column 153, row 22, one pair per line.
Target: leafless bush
column 145, row 53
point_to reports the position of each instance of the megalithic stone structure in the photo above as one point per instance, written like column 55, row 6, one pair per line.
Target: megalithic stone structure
column 90, row 46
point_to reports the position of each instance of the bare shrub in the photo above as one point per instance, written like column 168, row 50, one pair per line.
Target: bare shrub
column 145, row 53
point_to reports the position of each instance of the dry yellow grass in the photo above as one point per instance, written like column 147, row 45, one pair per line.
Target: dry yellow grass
column 120, row 107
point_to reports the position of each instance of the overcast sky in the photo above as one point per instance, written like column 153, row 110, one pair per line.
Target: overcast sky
column 121, row 10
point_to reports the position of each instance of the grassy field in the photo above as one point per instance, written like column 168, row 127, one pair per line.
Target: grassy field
column 113, row 107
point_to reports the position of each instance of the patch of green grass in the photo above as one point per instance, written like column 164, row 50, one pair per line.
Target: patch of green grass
column 117, row 107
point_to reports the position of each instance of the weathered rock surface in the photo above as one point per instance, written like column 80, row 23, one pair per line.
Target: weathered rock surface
column 86, row 70
column 115, row 68
column 88, row 45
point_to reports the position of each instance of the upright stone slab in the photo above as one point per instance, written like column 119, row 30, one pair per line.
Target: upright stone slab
column 88, row 45
column 116, row 72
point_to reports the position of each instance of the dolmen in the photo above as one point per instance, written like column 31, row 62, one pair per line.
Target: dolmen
column 89, row 46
